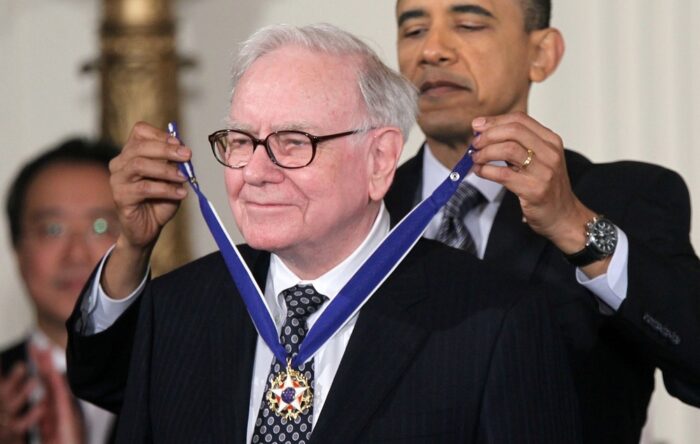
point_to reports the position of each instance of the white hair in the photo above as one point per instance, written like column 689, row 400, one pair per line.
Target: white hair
column 390, row 99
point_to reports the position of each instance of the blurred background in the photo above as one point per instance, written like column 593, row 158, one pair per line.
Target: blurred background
column 628, row 88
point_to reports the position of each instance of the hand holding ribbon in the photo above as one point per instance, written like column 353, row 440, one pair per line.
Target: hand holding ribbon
column 147, row 188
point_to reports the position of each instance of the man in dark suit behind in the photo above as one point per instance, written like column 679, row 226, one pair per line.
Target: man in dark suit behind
column 631, row 298
column 440, row 353
column 62, row 219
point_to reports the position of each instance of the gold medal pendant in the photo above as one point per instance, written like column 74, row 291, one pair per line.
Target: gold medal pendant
column 289, row 394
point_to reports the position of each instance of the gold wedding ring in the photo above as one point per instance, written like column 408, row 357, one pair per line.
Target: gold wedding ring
column 526, row 163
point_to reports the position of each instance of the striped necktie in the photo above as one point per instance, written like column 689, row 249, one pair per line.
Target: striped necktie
column 453, row 231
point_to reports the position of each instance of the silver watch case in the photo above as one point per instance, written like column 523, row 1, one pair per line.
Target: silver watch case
column 601, row 236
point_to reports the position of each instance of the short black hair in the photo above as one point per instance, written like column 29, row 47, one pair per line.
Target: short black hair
column 71, row 151
column 538, row 13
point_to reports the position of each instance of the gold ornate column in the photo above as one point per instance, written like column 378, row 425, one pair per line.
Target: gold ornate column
column 138, row 68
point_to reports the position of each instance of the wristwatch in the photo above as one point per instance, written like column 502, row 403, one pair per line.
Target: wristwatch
column 601, row 240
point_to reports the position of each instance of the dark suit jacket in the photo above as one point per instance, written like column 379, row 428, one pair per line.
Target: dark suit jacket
column 658, row 325
column 12, row 355
column 438, row 354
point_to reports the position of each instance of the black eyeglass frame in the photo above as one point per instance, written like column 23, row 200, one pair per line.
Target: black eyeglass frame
column 315, row 140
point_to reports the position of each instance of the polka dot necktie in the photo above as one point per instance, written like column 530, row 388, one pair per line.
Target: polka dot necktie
column 302, row 301
column 453, row 231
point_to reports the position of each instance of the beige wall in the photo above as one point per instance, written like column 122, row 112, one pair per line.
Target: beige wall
column 628, row 88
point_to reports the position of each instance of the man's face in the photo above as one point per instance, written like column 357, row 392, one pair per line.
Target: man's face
column 69, row 221
column 468, row 58
column 321, row 209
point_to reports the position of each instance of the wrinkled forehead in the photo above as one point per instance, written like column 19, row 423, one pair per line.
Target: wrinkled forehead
column 297, row 84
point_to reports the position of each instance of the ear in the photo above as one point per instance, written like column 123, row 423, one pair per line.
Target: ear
column 21, row 260
column 547, row 49
column 385, row 150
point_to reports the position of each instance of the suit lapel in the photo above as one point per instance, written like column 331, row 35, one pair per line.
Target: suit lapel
column 512, row 241
column 383, row 344
column 233, row 353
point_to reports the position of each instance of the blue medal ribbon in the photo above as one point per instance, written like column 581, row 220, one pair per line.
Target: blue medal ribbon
column 368, row 278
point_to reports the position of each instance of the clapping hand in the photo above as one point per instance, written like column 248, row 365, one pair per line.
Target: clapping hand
column 55, row 416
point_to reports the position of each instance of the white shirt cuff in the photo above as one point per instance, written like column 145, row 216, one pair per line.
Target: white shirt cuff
column 103, row 311
column 611, row 287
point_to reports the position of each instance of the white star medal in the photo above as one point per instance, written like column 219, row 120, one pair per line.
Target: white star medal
column 289, row 394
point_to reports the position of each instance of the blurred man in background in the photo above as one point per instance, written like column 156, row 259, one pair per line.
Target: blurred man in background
column 62, row 220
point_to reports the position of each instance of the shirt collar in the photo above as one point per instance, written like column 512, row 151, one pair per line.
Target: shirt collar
column 330, row 283
column 434, row 173
column 58, row 355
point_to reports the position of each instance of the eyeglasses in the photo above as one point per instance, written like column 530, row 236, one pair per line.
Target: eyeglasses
column 58, row 230
column 287, row 149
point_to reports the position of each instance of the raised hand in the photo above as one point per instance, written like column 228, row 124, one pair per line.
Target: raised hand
column 147, row 188
column 15, row 390
column 61, row 422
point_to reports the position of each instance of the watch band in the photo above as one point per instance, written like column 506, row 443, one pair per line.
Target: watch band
column 584, row 257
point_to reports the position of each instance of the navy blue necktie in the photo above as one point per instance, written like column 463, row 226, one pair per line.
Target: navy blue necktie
column 302, row 301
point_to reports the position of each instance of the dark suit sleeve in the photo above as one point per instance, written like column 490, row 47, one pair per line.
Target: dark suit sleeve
column 135, row 420
column 98, row 365
column 661, row 312
column 529, row 395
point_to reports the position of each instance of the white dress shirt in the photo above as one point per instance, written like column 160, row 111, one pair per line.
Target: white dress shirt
column 610, row 288
column 104, row 311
